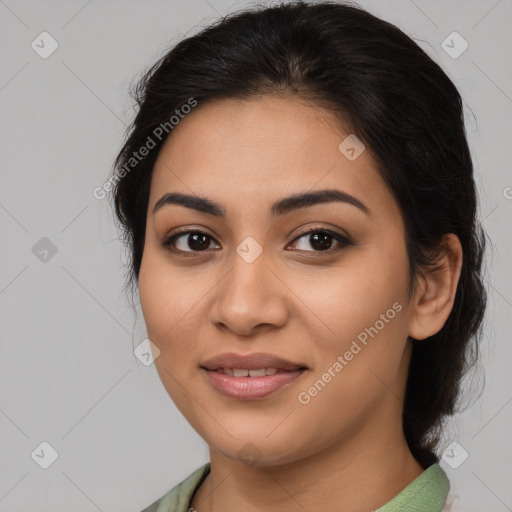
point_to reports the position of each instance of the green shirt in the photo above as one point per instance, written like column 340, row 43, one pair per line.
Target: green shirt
column 427, row 493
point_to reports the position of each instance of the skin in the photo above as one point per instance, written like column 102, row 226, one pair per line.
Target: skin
column 294, row 301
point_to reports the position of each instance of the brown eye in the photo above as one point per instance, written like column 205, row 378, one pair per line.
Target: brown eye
column 322, row 241
column 188, row 241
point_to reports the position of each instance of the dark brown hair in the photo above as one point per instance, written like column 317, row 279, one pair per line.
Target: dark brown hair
column 394, row 98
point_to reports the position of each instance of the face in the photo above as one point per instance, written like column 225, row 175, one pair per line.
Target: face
column 317, row 289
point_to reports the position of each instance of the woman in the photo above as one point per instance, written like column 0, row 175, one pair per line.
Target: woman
column 297, row 196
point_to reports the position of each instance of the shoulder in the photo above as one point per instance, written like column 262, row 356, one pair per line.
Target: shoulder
column 178, row 498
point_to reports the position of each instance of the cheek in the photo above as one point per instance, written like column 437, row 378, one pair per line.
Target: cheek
column 165, row 308
column 359, row 365
column 171, row 301
column 154, row 302
column 166, row 297
column 353, row 298
column 364, row 307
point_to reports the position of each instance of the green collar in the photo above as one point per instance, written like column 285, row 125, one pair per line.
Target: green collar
column 427, row 493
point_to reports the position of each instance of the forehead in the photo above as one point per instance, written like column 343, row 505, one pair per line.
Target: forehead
column 262, row 148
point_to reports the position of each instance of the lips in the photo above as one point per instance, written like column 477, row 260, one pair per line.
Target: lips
column 249, row 377
column 254, row 361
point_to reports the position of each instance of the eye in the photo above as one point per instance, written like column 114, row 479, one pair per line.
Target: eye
column 188, row 241
column 321, row 240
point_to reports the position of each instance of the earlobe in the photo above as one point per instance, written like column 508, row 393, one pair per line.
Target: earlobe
column 436, row 294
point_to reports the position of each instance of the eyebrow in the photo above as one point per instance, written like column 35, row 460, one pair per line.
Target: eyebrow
column 281, row 207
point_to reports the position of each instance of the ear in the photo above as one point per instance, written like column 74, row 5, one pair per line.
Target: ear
column 436, row 293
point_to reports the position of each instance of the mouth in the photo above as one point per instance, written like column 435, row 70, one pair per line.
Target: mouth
column 250, row 377
column 246, row 372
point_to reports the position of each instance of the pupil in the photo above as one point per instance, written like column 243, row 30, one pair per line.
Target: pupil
column 199, row 241
column 323, row 241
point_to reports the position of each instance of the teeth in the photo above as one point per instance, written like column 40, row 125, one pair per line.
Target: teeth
column 243, row 372
column 257, row 373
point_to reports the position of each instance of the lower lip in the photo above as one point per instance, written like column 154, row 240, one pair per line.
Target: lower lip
column 249, row 388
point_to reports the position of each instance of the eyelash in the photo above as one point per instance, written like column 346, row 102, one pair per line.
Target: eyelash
column 343, row 241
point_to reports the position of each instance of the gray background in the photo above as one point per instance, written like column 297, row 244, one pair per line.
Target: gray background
column 68, row 375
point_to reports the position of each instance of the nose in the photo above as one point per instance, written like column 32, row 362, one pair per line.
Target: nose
column 251, row 298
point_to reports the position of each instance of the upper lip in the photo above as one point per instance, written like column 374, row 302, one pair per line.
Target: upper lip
column 250, row 362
